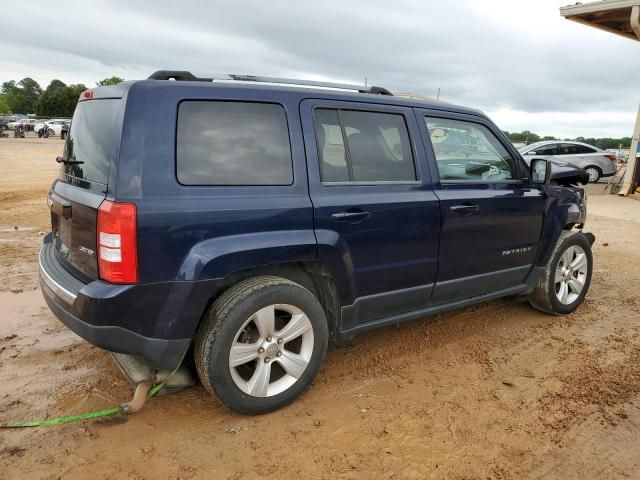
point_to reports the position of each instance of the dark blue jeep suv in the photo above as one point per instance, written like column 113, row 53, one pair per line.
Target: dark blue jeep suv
column 249, row 221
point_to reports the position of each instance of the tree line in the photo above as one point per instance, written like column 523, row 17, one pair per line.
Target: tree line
column 57, row 100
column 604, row 143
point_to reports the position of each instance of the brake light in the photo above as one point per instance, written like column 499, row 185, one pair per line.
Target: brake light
column 86, row 95
column 613, row 158
column 117, row 242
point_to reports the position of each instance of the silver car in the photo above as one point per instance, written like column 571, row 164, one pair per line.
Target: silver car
column 597, row 163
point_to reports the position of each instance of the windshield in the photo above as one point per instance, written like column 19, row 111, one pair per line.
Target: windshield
column 92, row 140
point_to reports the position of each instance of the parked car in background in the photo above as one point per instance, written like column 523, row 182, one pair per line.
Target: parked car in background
column 4, row 124
column 597, row 163
column 64, row 130
column 16, row 117
column 55, row 125
column 28, row 123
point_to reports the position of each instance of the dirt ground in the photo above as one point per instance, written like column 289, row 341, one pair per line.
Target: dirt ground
column 496, row 391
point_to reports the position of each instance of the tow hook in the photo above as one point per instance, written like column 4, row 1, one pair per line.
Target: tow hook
column 138, row 400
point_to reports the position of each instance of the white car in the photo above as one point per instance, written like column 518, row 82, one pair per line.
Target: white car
column 29, row 123
column 597, row 163
column 55, row 124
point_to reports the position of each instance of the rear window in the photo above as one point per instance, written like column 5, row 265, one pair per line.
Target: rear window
column 92, row 140
column 233, row 143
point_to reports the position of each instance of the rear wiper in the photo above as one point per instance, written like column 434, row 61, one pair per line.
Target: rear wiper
column 66, row 161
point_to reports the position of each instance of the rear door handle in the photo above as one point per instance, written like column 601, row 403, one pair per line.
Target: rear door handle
column 352, row 216
column 464, row 209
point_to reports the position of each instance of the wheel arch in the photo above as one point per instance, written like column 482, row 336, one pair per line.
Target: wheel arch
column 312, row 275
column 566, row 210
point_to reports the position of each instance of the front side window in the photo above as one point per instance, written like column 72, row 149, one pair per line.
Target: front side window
column 544, row 150
column 469, row 151
column 358, row 146
column 233, row 143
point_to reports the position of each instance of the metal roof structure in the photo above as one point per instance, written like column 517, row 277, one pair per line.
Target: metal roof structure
column 621, row 17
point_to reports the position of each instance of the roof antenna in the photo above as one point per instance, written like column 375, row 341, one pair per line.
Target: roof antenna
column 438, row 97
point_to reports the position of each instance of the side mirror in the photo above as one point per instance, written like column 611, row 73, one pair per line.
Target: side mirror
column 540, row 171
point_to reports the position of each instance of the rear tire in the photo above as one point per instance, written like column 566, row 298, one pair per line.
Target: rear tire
column 594, row 173
column 258, row 324
column 567, row 276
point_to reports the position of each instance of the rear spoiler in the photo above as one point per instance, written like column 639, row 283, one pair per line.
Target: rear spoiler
column 109, row 91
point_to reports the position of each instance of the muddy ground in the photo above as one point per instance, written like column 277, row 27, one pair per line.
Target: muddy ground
column 496, row 391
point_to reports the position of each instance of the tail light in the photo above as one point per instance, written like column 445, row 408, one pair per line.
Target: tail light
column 86, row 95
column 613, row 158
column 117, row 243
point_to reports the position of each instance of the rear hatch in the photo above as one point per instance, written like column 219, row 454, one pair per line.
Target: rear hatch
column 90, row 150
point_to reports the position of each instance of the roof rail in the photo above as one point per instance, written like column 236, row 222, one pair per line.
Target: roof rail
column 181, row 75
column 177, row 75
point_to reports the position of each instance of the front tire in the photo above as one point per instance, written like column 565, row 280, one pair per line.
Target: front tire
column 261, row 344
column 567, row 276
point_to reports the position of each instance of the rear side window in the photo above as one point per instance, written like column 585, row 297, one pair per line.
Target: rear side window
column 585, row 149
column 233, row 143
column 357, row 146
column 92, row 140
column 545, row 150
column 568, row 149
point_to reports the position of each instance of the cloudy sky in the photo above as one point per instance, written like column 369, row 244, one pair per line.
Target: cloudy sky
column 517, row 60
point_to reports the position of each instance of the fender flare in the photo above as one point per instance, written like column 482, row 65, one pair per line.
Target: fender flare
column 564, row 210
column 218, row 257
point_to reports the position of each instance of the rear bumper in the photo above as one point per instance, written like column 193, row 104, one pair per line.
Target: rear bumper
column 98, row 312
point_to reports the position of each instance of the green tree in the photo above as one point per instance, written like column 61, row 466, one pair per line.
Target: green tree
column 22, row 97
column 525, row 136
column 4, row 105
column 53, row 101
column 73, row 94
column 110, row 81
column 59, row 100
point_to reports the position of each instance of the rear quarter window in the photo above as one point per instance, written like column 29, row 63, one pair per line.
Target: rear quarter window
column 232, row 143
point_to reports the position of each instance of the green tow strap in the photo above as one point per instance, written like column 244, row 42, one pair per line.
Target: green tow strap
column 100, row 413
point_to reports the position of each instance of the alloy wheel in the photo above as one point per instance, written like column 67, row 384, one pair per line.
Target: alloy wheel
column 594, row 175
column 271, row 350
column 571, row 274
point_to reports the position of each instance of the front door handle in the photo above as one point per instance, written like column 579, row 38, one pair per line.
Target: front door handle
column 464, row 209
column 352, row 216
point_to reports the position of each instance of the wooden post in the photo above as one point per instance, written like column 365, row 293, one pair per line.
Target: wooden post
column 632, row 163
